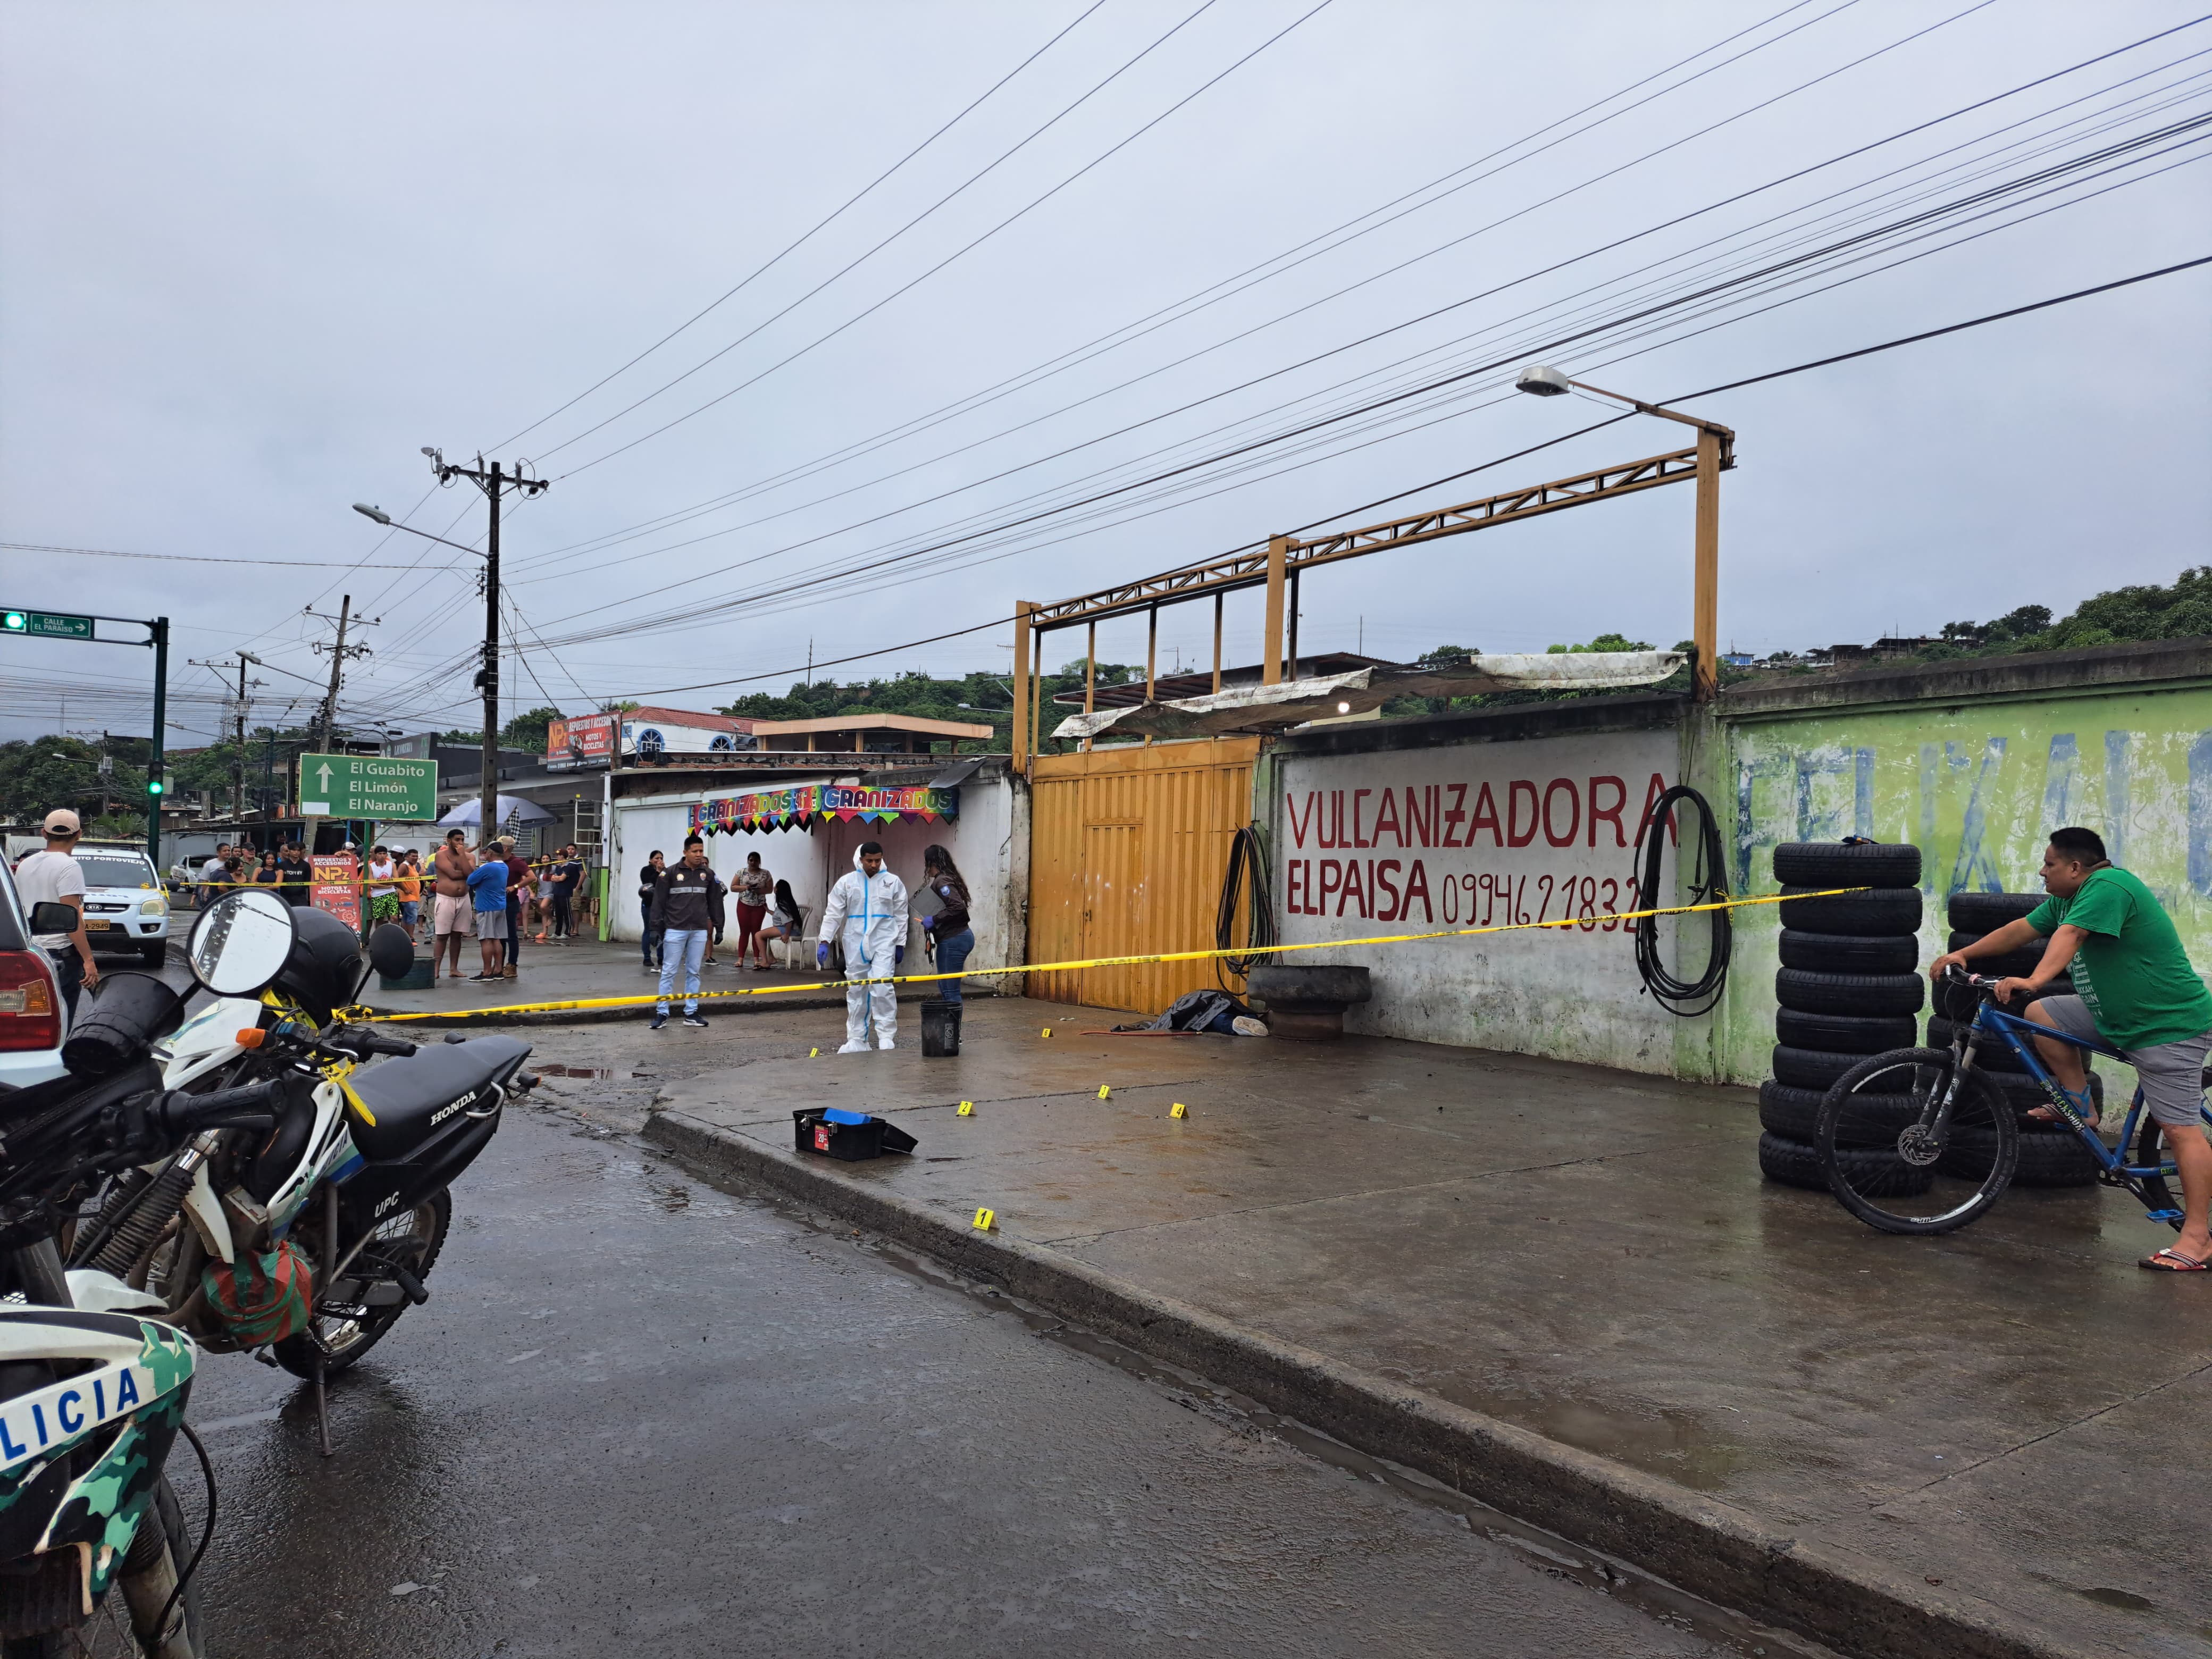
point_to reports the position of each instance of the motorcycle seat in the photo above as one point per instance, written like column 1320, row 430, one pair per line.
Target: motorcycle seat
column 404, row 1096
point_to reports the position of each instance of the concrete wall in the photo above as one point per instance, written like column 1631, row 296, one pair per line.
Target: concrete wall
column 1976, row 769
column 1472, row 821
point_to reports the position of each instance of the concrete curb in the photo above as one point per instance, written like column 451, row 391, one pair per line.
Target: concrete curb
column 1710, row 1549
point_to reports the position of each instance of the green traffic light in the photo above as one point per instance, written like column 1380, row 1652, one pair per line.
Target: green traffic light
column 153, row 786
column 15, row 622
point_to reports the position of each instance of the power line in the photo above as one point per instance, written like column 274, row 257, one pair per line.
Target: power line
column 824, row 224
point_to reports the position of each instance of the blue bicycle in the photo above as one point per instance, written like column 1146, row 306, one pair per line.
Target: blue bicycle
column 1923, row 1141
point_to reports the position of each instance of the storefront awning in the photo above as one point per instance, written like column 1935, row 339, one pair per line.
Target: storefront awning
column 781, row 809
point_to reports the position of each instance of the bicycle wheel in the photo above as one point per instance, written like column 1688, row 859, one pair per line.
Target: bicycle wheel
column 1940, row 1169
column 2151, row 1189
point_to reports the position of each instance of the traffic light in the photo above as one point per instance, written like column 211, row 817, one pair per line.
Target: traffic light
column 14, row 622
column 154, row 786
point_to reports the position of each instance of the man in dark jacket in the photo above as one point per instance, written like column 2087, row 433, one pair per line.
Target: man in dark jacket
column 684, row 901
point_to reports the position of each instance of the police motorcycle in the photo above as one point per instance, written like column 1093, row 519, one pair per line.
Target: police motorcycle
column 303, row 1239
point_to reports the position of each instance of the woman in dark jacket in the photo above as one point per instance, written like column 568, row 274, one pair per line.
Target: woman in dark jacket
column 951, row 937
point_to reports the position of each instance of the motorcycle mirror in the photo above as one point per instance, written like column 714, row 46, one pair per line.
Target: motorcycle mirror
column 52, row 917
column 241, row 942
column 390, row 951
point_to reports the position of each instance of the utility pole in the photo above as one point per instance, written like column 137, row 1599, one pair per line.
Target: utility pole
column 494, row 482
column 326, row 715
column 238, row 738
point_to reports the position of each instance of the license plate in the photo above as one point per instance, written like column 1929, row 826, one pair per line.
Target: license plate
column 94, row 924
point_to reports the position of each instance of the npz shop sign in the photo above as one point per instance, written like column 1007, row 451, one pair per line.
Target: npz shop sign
column 778, row 809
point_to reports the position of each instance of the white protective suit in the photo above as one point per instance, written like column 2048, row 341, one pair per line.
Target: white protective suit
column 869, row 915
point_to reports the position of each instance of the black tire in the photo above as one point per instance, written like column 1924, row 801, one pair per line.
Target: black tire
column 2025, row 1094
column 2013, row 964
column 1973, row 1173
column 1885, row 912
column 423, row 1228
column 1985, row 913
column 1833, row 864
column 1798, row 1164
column 1795, row 1115
column 1810, row 1069
column 2154, row 1191
column 2046, row 1157
column 1846, row 1034
column 1840, row 953
column 1849, row 994
column 161, row 1554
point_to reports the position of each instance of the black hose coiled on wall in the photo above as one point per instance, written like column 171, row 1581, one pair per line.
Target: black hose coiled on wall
column 1708, row 885
column 1247, row 857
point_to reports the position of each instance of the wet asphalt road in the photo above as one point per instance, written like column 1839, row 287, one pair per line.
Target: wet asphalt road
column 641, row 1415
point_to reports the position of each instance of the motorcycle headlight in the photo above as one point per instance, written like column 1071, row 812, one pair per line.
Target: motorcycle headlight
column 156, row 906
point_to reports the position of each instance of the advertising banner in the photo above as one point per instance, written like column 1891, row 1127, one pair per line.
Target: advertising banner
column 334, row 889
column 777, row 809
column 584, row 740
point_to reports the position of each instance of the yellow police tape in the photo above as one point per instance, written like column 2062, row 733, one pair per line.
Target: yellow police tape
column 1101, row 962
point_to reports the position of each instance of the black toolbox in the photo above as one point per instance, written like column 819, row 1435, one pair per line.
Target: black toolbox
column 835, row 1133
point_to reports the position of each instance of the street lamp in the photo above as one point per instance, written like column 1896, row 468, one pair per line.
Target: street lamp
column 1715, row 453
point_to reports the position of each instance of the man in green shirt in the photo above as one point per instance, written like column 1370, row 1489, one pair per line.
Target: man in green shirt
column 2136, row 992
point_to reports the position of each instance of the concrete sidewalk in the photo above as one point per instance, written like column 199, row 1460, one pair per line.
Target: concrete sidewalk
column 1985, row 1442
column 587, row 968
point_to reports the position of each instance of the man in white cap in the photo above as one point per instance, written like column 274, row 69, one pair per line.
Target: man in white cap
column 54, row 876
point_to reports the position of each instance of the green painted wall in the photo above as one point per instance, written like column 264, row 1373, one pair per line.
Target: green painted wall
column 1977, row 786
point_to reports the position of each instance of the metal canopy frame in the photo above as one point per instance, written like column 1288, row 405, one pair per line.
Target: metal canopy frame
column 1277, row 564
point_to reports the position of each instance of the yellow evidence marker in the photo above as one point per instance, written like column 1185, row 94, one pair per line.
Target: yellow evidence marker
column 1178, row 1110
column 967, row 1108
column 1101, row 1091
column 1048, row 1030
column 986, row 1221
column 814, row 1054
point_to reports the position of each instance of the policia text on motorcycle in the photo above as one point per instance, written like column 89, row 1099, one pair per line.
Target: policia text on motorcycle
column 2136, row 991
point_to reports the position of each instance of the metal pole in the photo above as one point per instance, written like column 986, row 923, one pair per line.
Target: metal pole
column 1018, row 741
column 1294, row 624
column 1218, row 598
column 238, row 760
column 1151, row 659
column 161, row 630
column 1090, row 675
column 487, row 795
column 1271, row 666
column 1705, row 601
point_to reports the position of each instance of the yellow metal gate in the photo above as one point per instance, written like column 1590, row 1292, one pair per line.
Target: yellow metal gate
column 1127, row 846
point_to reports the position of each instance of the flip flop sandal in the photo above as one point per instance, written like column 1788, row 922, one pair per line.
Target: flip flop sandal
column 2171, row 1261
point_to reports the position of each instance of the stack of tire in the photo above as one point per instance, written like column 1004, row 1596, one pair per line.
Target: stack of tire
column 1850, row 986
column 2050, row 1154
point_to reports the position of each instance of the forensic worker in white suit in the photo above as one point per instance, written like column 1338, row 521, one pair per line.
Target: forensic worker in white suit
column 867, row 911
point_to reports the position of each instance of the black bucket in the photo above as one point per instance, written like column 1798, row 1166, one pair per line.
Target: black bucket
column 940, row 1029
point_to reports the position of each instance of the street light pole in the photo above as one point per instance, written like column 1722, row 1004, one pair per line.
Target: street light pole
column 495, row 483
column 1715, row 454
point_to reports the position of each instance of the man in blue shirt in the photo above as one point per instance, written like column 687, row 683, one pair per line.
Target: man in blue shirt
column 488, row 885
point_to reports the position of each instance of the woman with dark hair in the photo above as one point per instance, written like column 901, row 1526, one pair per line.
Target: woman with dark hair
column 786, row 922
column 646, row 877
column 951, row 937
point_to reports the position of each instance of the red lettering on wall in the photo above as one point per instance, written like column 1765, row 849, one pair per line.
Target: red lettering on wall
column 1335, row 836
column 1609, row 814
column 1452, row 819
column 1352, row 889
column 1299, row 826
column 1417, row 887
column 1384, row 884
column 1358, row 795
column 1486, row 812
column 1422, row 823
column 1294, row 884
column 1332, row 877
column 1574, row 813
column 1651, row 799
column 1385, row 817
column 1515, row 835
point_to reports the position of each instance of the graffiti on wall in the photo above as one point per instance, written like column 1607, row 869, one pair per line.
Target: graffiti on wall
column 1979, row 788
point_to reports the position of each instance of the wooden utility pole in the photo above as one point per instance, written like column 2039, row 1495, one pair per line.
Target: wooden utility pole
column 326, row 713
column 1705, row 594
column 1279, row 558
column 1020, row 740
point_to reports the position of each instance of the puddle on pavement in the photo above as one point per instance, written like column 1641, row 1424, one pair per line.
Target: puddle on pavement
column 1676, row 1444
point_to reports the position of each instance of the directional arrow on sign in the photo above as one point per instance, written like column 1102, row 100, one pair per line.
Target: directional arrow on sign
column 323, row 773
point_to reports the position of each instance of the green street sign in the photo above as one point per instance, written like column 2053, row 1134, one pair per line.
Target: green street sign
column 45, row 625
column 368, row 787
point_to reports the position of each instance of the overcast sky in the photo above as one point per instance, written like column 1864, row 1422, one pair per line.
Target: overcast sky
column 256, row 257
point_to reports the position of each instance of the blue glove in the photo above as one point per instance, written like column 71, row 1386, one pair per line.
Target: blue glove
column 898, row 955
column 821, row 955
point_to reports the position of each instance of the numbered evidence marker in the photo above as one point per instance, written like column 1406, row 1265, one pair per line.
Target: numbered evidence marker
column 986, row 1221
column 967, row 1108
column 1048, row 1030
column 1178, row 1110
column 1102, row 1092
column 814, row 1054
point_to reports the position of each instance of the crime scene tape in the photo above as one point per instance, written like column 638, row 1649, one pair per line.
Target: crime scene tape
column 1096, row 962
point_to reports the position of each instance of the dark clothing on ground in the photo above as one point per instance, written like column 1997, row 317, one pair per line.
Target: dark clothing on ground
column 688, row 900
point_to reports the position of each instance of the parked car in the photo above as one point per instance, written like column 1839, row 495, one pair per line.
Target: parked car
column 30, row 998
column 126, row 906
